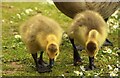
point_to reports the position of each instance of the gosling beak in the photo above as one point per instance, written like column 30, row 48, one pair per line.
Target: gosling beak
column 51, row 62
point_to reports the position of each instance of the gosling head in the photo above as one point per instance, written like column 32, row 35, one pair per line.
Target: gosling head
column 92, row 48
column 52, row 52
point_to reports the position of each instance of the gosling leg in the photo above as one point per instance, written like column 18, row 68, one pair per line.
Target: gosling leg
column 107, row 43
column 76, row 56
column 40, row 68
column 41, row 61
column 91, row 64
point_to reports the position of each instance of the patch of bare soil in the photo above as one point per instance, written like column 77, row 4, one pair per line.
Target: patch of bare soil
column 15, row 67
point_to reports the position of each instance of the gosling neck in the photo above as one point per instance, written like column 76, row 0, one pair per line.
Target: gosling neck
column 93, row 37
column 93, row 34
column 51, row 39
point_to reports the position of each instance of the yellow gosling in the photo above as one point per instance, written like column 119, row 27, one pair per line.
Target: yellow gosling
column 89, row 30
column 41, row 33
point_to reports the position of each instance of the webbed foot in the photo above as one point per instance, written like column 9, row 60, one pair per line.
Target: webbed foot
column 43, row 69
column 77, row 61
column 43, row 63
column 92, row 67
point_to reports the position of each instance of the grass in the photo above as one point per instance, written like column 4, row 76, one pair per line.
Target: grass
column 17, row 62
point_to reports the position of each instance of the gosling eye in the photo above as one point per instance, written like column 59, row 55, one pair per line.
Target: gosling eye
column 56, row 54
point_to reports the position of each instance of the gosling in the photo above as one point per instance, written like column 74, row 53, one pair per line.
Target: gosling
column 89, row 30
column 41, row 33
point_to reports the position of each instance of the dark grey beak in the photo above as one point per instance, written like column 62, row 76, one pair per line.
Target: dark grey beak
column 51, row 62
